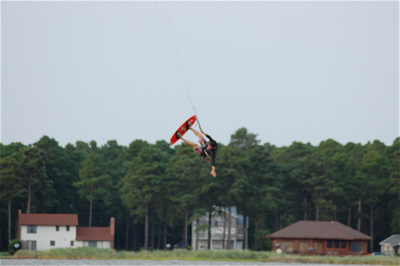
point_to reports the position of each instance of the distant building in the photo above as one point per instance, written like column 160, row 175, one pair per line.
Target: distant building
column 219, row 230
column 324, row 238
column 46, row 231
column 96, row 237
column 391, row 245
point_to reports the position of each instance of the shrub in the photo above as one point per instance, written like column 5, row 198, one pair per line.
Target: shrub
column 14, row 246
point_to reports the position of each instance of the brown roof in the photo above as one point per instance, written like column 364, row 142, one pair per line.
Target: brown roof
column 319, row 230
column 94, row 233
column 47, row 219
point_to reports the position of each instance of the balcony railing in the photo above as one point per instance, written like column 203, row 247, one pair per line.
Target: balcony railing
column 221, row 236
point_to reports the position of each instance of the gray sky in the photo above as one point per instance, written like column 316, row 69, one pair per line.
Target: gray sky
column 287, row 71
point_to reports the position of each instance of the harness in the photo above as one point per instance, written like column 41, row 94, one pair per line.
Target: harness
column 204, row 150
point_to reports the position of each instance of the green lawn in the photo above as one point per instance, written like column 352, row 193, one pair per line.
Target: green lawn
column 4, row 254
column 206, row 255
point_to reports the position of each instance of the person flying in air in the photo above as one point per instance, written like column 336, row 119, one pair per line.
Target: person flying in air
column 205, row 149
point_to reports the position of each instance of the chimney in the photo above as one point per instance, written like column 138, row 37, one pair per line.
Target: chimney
column 112, row 226
column 112, row 230
column 19, row 225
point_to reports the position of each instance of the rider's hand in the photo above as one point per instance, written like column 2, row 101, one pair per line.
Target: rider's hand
column 213, row 173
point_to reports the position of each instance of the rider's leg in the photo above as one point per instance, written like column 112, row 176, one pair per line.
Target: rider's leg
column 194, row 145
column 197, row 133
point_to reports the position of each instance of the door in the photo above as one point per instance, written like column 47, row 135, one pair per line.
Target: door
column 318, row 247
column 303, row 247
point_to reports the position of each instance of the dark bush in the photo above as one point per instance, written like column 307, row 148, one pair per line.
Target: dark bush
column 14, row 246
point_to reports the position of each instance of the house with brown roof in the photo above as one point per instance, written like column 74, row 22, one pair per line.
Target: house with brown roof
column 323, row 238
column 38, row 231
column 96, row 237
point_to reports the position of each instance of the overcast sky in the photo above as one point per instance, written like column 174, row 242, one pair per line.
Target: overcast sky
column 287, row 71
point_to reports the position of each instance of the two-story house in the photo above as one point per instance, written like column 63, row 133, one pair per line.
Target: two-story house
column 219, row 230
column 38, row 231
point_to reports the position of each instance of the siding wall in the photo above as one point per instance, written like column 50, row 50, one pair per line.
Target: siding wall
column 62, row 238
column 99, row 244
column 320, row 246
column 45, row 234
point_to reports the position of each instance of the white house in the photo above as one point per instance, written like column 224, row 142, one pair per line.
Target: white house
column 391, row 245
column 219, row 230
column 39, row 231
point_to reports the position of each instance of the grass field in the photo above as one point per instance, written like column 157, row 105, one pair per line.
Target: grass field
column 4, row 254
column 207, row 255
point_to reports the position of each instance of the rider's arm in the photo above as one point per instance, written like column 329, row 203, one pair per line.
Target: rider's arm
column 208, row 136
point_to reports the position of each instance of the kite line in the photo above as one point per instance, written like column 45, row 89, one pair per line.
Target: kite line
column 175, row 52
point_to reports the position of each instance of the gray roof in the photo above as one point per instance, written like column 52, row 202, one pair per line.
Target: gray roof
column 226, row 209
column 319, row 230
column 393, row 240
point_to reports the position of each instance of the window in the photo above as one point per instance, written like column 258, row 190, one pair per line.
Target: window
column 67, row 227
column 201, row 222
column 356, row 247
column 93, row 244
column 336, row 243
column 31, row 229
column 329, row 244
column 31, row 244
column 52, row 243
column 287, row 246
column 72, row 243
column 343, row 244
column 57, row 228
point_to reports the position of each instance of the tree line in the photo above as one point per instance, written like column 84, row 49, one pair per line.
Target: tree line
column 155, row 191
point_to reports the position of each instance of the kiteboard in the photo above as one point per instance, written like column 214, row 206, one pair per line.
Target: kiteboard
column 183, row 129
